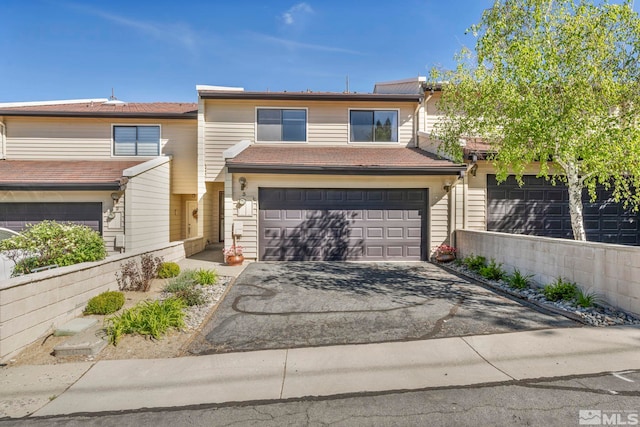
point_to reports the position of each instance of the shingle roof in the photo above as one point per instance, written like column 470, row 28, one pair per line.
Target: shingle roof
column 96, row 174
column 341, row 159
column 90, row 109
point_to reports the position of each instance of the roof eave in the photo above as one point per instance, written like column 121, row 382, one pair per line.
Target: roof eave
column 345, row 170
column 119, row 114
column 304, row 96
column 64, row 186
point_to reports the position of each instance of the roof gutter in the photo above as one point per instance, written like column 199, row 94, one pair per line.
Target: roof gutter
column 119, row 115
column 346, row 170
column 311, row 96
column 48, row 186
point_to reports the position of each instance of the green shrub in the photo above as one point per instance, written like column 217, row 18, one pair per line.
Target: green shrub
column 186, row 279
column 474, row 262
column 168, row 269
column 492, row 271
column 52, row 243
column 586, row 299
column 191, row 296
column 206, row 277
column 105, row 303
column 134, row 277
column 518, row 280
column 560, row 290
column 152, row 318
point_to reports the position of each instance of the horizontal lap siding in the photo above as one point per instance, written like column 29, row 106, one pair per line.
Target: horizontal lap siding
column 227, row 123
column 44, row 138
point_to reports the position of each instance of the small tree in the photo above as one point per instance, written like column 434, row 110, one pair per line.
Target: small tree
column 555, row 82
column 50, row 242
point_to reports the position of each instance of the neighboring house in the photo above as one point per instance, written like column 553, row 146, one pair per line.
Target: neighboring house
column 537, row 208
column 323, row 176
column 125, row 169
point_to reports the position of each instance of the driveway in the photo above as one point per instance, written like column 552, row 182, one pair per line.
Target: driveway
column 299, row 304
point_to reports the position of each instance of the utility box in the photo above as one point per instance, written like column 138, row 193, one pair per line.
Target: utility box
column 238, row 228
column 119, row 241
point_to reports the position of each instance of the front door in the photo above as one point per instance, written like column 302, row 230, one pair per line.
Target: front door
column 192, row 219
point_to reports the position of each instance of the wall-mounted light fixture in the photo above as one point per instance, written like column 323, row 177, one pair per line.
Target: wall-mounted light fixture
column 447, row 186
column 243, row 183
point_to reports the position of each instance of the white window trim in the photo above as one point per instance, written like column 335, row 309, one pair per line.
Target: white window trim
column 371, row 142
column 113, row 142
column 255, row 125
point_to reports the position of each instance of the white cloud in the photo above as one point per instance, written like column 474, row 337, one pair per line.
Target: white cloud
column 291, row 44
column 296, row 12
column 177, row 33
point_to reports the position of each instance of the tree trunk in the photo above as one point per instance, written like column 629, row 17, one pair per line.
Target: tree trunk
column 575, row 202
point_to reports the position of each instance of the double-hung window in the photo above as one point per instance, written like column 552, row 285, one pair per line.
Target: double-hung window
column 373, row 125
column 281, row 124
column 136, row 140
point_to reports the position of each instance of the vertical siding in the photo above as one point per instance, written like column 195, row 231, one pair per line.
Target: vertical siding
column 228, row 122
column 147, row 208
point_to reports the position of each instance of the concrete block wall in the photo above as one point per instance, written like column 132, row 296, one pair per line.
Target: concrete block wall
column 33, row 305
column 612, row 271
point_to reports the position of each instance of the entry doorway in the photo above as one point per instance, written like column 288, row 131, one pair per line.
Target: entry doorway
column 221, row 216
column 192, row 219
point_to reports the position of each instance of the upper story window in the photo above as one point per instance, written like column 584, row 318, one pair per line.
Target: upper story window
column 374, row 125
column 282, row 124
column 136, row 140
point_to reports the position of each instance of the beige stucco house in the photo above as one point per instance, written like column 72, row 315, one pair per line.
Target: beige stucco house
column 125, row 169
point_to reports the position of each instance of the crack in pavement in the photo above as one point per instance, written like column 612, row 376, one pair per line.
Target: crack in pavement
column 268, row 294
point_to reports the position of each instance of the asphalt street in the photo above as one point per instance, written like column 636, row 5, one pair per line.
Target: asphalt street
column 611, row 398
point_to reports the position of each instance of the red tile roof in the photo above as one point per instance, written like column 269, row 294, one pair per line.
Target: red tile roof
column 88, row 109
column 38, row 173
column 354, row 159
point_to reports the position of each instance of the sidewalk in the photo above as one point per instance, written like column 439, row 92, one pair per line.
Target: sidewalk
column 324, row 371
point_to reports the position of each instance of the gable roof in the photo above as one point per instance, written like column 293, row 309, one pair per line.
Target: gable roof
column 168, row 110
column 341, row 160
column 63, row 175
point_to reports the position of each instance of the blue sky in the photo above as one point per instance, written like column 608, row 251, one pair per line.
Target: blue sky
column 159, row 50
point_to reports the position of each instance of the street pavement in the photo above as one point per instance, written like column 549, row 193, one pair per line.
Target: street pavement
column 611, row 399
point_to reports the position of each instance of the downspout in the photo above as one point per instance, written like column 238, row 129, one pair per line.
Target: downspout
column 425, row 100
column 416, row 126
column 3, row 141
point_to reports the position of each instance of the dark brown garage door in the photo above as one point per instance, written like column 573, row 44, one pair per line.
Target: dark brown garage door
column 342, row 224
column 541, row 209
column 16, row 216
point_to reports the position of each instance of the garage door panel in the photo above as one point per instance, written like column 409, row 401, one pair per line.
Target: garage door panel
column 342, row 224
column 546, row 212
column 17, row 216
column 374, row 215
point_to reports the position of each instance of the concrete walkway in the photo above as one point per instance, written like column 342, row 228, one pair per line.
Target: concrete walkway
column 324, row 371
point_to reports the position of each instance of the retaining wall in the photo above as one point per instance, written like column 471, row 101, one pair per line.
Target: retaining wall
column 612, row 271
column 33, row 305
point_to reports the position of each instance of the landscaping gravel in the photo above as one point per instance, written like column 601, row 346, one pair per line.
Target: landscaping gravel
column 598, row 315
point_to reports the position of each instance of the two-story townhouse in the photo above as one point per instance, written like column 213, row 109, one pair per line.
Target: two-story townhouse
column 125, row 169
column 323, row 176
column 537, row 208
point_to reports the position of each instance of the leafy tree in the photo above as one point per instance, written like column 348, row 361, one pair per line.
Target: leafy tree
column 555, row 82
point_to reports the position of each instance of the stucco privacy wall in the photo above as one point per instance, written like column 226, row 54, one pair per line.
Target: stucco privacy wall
column 438, row 219
column 612, row 271
column 31, row 306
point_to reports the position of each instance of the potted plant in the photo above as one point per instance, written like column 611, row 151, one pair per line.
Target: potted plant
column 233, row 255
column 445, row 253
